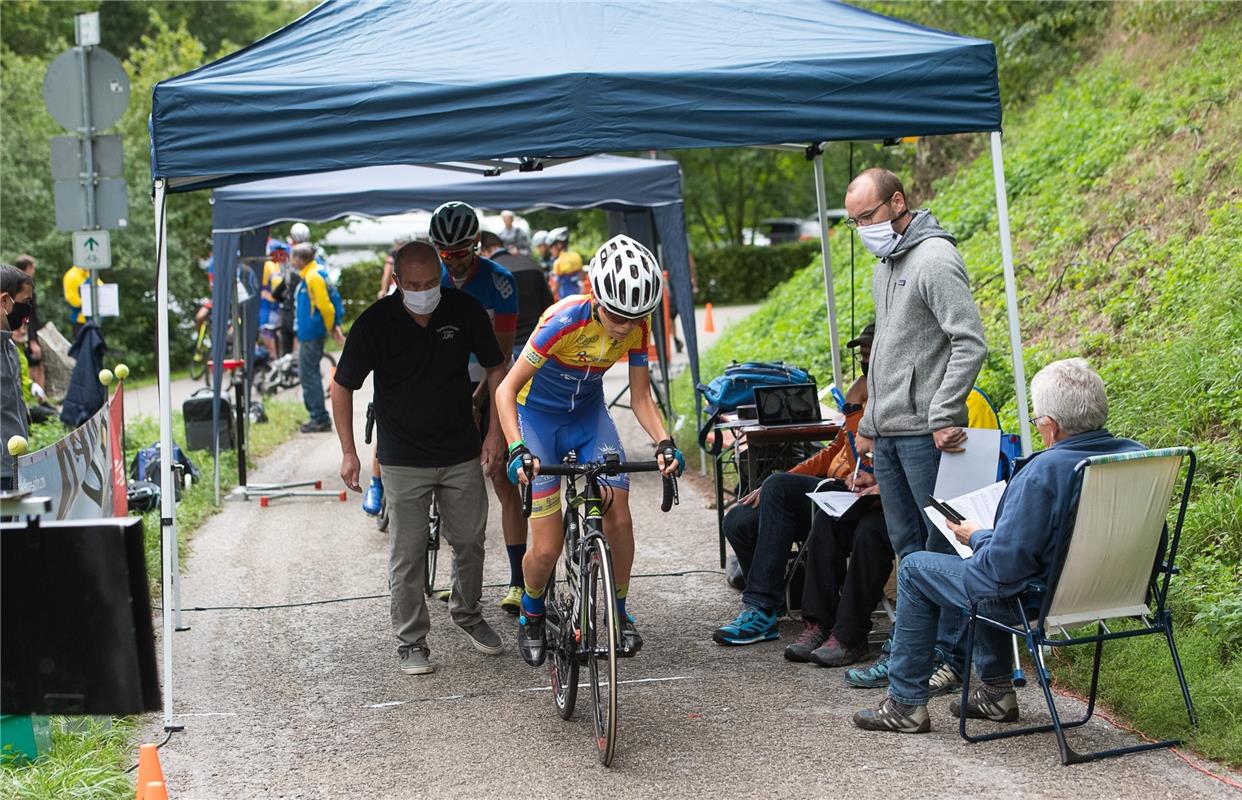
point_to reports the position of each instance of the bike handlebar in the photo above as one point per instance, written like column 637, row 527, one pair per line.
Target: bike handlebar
column 669, row 498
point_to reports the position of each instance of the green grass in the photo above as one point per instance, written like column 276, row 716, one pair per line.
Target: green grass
column 90, row 763
column 1122, row 185
column 87, row 759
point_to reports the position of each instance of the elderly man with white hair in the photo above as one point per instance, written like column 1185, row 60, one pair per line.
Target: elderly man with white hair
column 1070, row 410
column 514, row 238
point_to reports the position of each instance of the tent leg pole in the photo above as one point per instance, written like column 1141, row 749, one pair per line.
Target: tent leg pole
column 1011, row 294
column 821, row 199
column 168, row 510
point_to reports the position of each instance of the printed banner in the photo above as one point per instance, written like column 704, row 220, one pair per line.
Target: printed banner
column 77, row 472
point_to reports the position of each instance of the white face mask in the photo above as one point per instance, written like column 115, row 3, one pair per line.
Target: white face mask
column 879, row 238
column 421, row 302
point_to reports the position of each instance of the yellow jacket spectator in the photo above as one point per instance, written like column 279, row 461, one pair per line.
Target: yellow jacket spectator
column 76, row 280
column 316, row 314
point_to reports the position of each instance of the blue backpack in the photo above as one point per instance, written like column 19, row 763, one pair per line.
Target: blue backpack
column 736, row 387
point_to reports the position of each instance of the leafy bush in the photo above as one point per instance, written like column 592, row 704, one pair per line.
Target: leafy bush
column 742, row 274
column 358, row 284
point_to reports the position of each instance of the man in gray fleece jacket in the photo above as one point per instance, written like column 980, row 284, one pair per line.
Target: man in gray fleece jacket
column 926, row 355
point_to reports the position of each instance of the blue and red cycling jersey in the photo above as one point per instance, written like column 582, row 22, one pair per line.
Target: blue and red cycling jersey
column 494, row 287
column 571, row 351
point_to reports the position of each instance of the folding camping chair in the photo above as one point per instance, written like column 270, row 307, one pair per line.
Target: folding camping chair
column 1113, row 564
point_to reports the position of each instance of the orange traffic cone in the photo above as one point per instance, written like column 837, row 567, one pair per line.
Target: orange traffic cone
column 149, row 771
column 709, row 325
column 156, row 790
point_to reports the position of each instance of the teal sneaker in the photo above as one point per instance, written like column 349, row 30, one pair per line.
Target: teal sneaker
column 751, row 626
column 872, row 677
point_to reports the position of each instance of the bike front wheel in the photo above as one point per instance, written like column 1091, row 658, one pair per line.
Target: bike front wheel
column 601, row 635
column 563, row 658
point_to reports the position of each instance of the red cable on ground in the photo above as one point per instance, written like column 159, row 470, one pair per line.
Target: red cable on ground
column 1112, row 721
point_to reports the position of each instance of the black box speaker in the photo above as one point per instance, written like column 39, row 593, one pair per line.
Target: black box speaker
column 75, row 619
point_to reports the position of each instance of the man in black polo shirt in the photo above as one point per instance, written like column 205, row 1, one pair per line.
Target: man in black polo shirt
column 417, row 341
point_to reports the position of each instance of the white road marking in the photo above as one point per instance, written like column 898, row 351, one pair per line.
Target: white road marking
column 395, row 703
column 208, row 714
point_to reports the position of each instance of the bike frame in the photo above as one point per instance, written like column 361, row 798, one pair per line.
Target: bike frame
column 580, row 531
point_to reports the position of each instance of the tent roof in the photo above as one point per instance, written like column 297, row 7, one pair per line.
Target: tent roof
column 390, row 82
column 599, row 181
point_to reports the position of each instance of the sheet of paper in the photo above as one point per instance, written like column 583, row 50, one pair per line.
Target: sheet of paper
column 834, row 504
column 109, row 300
column 975, row 468
column 979, row 505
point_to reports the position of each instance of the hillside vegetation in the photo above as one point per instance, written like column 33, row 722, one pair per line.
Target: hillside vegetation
column 1125, row 196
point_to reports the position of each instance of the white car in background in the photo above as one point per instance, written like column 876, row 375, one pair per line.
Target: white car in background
column 366, row 238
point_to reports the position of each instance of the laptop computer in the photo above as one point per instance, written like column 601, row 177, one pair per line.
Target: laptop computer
column 790, row 404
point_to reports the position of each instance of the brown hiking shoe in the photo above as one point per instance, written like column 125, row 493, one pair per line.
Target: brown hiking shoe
column 833, row 653
column 812, row 636
column 894, row 717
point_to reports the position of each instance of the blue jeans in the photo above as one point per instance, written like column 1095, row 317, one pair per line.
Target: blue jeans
column 905, row 468
column 310, row 352
column 929, row 586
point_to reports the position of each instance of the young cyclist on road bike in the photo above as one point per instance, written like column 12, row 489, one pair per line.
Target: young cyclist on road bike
column 552, row 401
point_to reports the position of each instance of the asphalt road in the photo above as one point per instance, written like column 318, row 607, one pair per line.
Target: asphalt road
column 307, row 702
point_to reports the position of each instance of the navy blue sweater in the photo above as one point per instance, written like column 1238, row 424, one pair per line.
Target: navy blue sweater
column 1023, row 542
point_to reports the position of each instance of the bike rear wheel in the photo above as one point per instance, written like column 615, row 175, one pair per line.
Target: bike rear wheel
column 563, row 661
column 433, row 546
column 601, row 635
column 327, row 370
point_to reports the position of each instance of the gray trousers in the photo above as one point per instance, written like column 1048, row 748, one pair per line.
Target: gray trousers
column 462, row 501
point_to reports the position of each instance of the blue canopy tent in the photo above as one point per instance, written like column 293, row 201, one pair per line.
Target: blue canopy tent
column 645, row 194
column 394, row 82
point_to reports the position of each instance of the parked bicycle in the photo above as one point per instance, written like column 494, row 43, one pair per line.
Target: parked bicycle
column 283, row 374
column 581, row 623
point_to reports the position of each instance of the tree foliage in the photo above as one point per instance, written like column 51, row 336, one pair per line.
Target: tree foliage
column 151, row 49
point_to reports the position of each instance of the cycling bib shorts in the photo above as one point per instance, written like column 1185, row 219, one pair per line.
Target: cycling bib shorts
column 589, row 432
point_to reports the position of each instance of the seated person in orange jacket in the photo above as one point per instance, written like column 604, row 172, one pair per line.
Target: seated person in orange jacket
column 762, row 534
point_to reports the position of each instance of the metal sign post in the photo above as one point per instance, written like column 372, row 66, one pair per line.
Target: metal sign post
column 86, row 90
column 87, row 34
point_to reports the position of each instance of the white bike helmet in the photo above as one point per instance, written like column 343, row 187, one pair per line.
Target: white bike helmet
column 299, row 233
column 558, row 235
column 454, row 224
column 625, row 278
column 539, row 238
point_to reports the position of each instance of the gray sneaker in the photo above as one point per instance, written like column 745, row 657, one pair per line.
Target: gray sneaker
column 895, row 717
column 414, row 661
column 985, row 702
column 943, row 681
column 484, row 639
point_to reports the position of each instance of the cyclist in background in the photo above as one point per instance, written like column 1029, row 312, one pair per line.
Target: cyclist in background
column 566, row 264
column 269, row 308
column 455, row 234
column 552, row 401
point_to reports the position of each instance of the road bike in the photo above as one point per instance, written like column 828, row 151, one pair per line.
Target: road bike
column 581, row 622
column 433, row 522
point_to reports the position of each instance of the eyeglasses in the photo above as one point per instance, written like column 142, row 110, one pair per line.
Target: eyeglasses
column 1035, row 420
column 453, row 255
column 616, row 319
column 866, row 216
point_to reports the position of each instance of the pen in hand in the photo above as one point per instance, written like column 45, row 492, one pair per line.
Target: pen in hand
column 857, row 466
